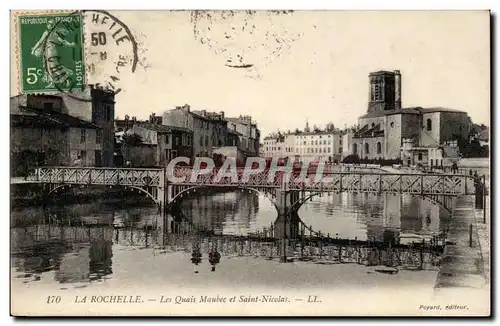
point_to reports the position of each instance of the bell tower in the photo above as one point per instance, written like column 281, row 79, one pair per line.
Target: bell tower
column 385, row 91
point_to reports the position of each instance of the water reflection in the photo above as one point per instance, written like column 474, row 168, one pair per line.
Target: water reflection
column 80, row 243
column 375, row 217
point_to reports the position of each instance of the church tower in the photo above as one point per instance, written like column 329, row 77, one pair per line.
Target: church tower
column 307, row 129
column 385, row 91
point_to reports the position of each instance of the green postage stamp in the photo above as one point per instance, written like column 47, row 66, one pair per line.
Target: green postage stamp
column 51, row 52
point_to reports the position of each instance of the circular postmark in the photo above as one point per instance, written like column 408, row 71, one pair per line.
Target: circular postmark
column 245, row 39
column 87, row 47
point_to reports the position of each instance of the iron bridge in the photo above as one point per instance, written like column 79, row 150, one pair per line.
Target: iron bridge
column 418, row 183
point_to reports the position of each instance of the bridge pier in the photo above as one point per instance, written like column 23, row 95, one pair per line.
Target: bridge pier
column 286, row 225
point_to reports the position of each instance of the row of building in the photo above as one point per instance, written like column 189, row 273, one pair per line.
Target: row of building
column 189, row 133
column 316, row 145
column 416, row 135
column 81, row 129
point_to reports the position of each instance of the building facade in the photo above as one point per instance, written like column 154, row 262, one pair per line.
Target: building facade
column 199, row 123
column 99, row 110
column 212, row 130
column 41, row 134
column 274, row 146
column 159, row 143
column 308, row 146
column 103, row 115
column 250, row 134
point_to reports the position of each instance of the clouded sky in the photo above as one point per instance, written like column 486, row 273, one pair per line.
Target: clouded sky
column 305, row 65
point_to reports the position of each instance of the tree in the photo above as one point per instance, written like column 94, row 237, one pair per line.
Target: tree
column 132, row 140
column 330, row 127
column 350, row 159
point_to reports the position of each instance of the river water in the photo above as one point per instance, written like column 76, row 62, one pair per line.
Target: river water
column 91, row 242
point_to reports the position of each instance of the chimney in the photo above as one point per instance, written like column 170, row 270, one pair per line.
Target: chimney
column 204, row 113
column 397, row 91
column 221, row 114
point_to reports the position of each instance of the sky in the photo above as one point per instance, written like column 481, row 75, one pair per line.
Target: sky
column 304, row 65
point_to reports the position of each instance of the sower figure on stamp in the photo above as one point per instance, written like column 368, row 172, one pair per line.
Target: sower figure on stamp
column 51, row 38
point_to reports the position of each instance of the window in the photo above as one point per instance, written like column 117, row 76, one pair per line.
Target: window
column 429, row 124
column 83, row 157
column 355, row 148
column 109, row 110
column 373, row 124
column 340, row 150
column 420, row 156
column 167, row 138
column 367, row 149
column 315, row 142
column 201, row 140
column 329, row 149
column 83, row 134
column 379, row 148
column 98, row 136
column 177, row 141
column 378, row 92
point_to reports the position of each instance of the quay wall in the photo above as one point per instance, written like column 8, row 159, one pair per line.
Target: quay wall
column 32, row 194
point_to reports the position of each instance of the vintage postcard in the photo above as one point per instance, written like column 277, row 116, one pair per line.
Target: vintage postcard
column 250, row 163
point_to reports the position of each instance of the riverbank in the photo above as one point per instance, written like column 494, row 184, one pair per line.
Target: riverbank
column 479, row 162
column 31, row 194
column 466, row 261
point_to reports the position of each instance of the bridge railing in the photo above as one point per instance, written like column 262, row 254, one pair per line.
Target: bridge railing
column 98, row 176
column 420, row 183
column 442, row 184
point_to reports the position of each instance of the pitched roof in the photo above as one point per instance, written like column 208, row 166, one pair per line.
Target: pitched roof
column 366, row 131
column 230, row 131
column 161, row 128
column 382, row 72
column 413, row 110
column 440, row 109
column 23, row 120
column 375, row 114
column 49, row 118
column 153, row 126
